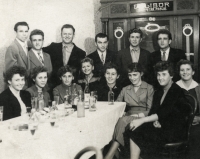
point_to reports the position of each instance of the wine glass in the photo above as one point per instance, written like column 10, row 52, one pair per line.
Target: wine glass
column 56, row 99
column 53, row 117
column 33, row 126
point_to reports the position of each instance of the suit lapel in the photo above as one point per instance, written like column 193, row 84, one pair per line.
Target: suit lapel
column 132, row 94
column 46, row 62
column 22, row 53
column 142, row 89
column 127, row 56
column 34, row 59
column 171, row 55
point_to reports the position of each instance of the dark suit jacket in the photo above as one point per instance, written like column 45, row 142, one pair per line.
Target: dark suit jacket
column 175, row 55
column 98, row 65
column 124, row 59
column 56, row 54
column 11, row 105
column 15, row 55
column 35, row 61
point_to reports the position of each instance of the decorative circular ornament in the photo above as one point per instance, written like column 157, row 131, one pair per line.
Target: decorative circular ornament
column 187, row 26
column 118, row 33
column 149, row 27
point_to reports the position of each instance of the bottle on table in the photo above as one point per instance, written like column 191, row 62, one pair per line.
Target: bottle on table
column 40, row 102
column 67, row 98
column 87, row 96
column 110, row 97
column 92, row 102
column 80, row 108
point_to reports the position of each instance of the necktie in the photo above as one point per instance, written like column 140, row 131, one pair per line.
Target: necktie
column 40, row 58
column 102, row 58
column 64, row 55
column 164, row 56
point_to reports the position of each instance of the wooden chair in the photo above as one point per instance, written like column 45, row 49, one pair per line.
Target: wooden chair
column 178, row 148
column 90, row 148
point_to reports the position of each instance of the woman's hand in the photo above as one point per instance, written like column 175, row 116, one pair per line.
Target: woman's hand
column 135, row 123
column 156, row 124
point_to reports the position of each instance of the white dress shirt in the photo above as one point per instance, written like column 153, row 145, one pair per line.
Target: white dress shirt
column 104, row 55
column 17, row 95
column 166, row 53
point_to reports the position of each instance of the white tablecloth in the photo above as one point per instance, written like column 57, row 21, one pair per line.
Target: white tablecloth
column 66, row 140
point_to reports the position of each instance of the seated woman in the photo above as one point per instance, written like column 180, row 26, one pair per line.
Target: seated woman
column 39, row 76
column 87, row 66
column 111, row 74
column 138, row 98
column 186, row 70
column 66, row 75
column 14, row 99
column 165, row 122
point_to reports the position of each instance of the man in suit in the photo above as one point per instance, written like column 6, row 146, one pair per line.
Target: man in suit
column 166, row 53
column 17, row 52
column 65, row 53
column 102, row 55
column 37, row 56
column 134, row 53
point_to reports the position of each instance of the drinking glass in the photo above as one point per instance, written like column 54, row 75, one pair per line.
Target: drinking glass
column 1, row 113
column 92, row 104
column 95, row 95
column 33, row 126
column 56, row 99
column 53, row 117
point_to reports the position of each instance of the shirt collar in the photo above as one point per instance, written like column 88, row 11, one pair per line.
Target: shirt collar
column 22, row 43
column 67, row 45
column 134, row 48
column 99, row 52
column 192, row 85
column 16, row 93
column 36, row 52
column 166, row 51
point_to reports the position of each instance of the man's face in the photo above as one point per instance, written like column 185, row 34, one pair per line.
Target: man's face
column 37, row 42
column 164, row 78
column 22, row 33
column 163, row 41
column 135, row 39
column 67, row 35
column 102, row 44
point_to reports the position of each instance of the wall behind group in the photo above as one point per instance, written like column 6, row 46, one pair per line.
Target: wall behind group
column 49, row 16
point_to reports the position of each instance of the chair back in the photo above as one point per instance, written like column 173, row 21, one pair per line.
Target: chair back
column 87, row 149
column 193, row 104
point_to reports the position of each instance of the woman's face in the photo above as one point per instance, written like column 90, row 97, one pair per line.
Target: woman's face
column 41, row 79
column 17, row 82
column 135, row 77
column 87, row 68
column 111, row 76
column 186, row 72
column 67, row 78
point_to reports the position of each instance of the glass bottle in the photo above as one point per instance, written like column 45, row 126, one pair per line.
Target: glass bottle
column 110, row 97
column 74, row 94
column 41, row 101
column 86, row 96
column 80, row 109
column 92, row 103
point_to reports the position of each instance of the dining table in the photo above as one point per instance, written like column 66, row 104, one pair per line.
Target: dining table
column 65, row 139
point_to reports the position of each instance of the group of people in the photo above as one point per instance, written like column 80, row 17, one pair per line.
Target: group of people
column 153, row 91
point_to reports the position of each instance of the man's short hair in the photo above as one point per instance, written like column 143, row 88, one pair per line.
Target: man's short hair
column 101, row 35
column 163, row 66
column 20, row 23
column 14, row 70
column 37, row 32
column 135, row 30
column 68, row 26
column 164, row 31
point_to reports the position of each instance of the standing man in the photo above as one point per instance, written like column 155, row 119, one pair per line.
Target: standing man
column 37, row 56
column 17, row 52
column 102, row 55
column 65, row 53
column 166, row 53
column 132, row 54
